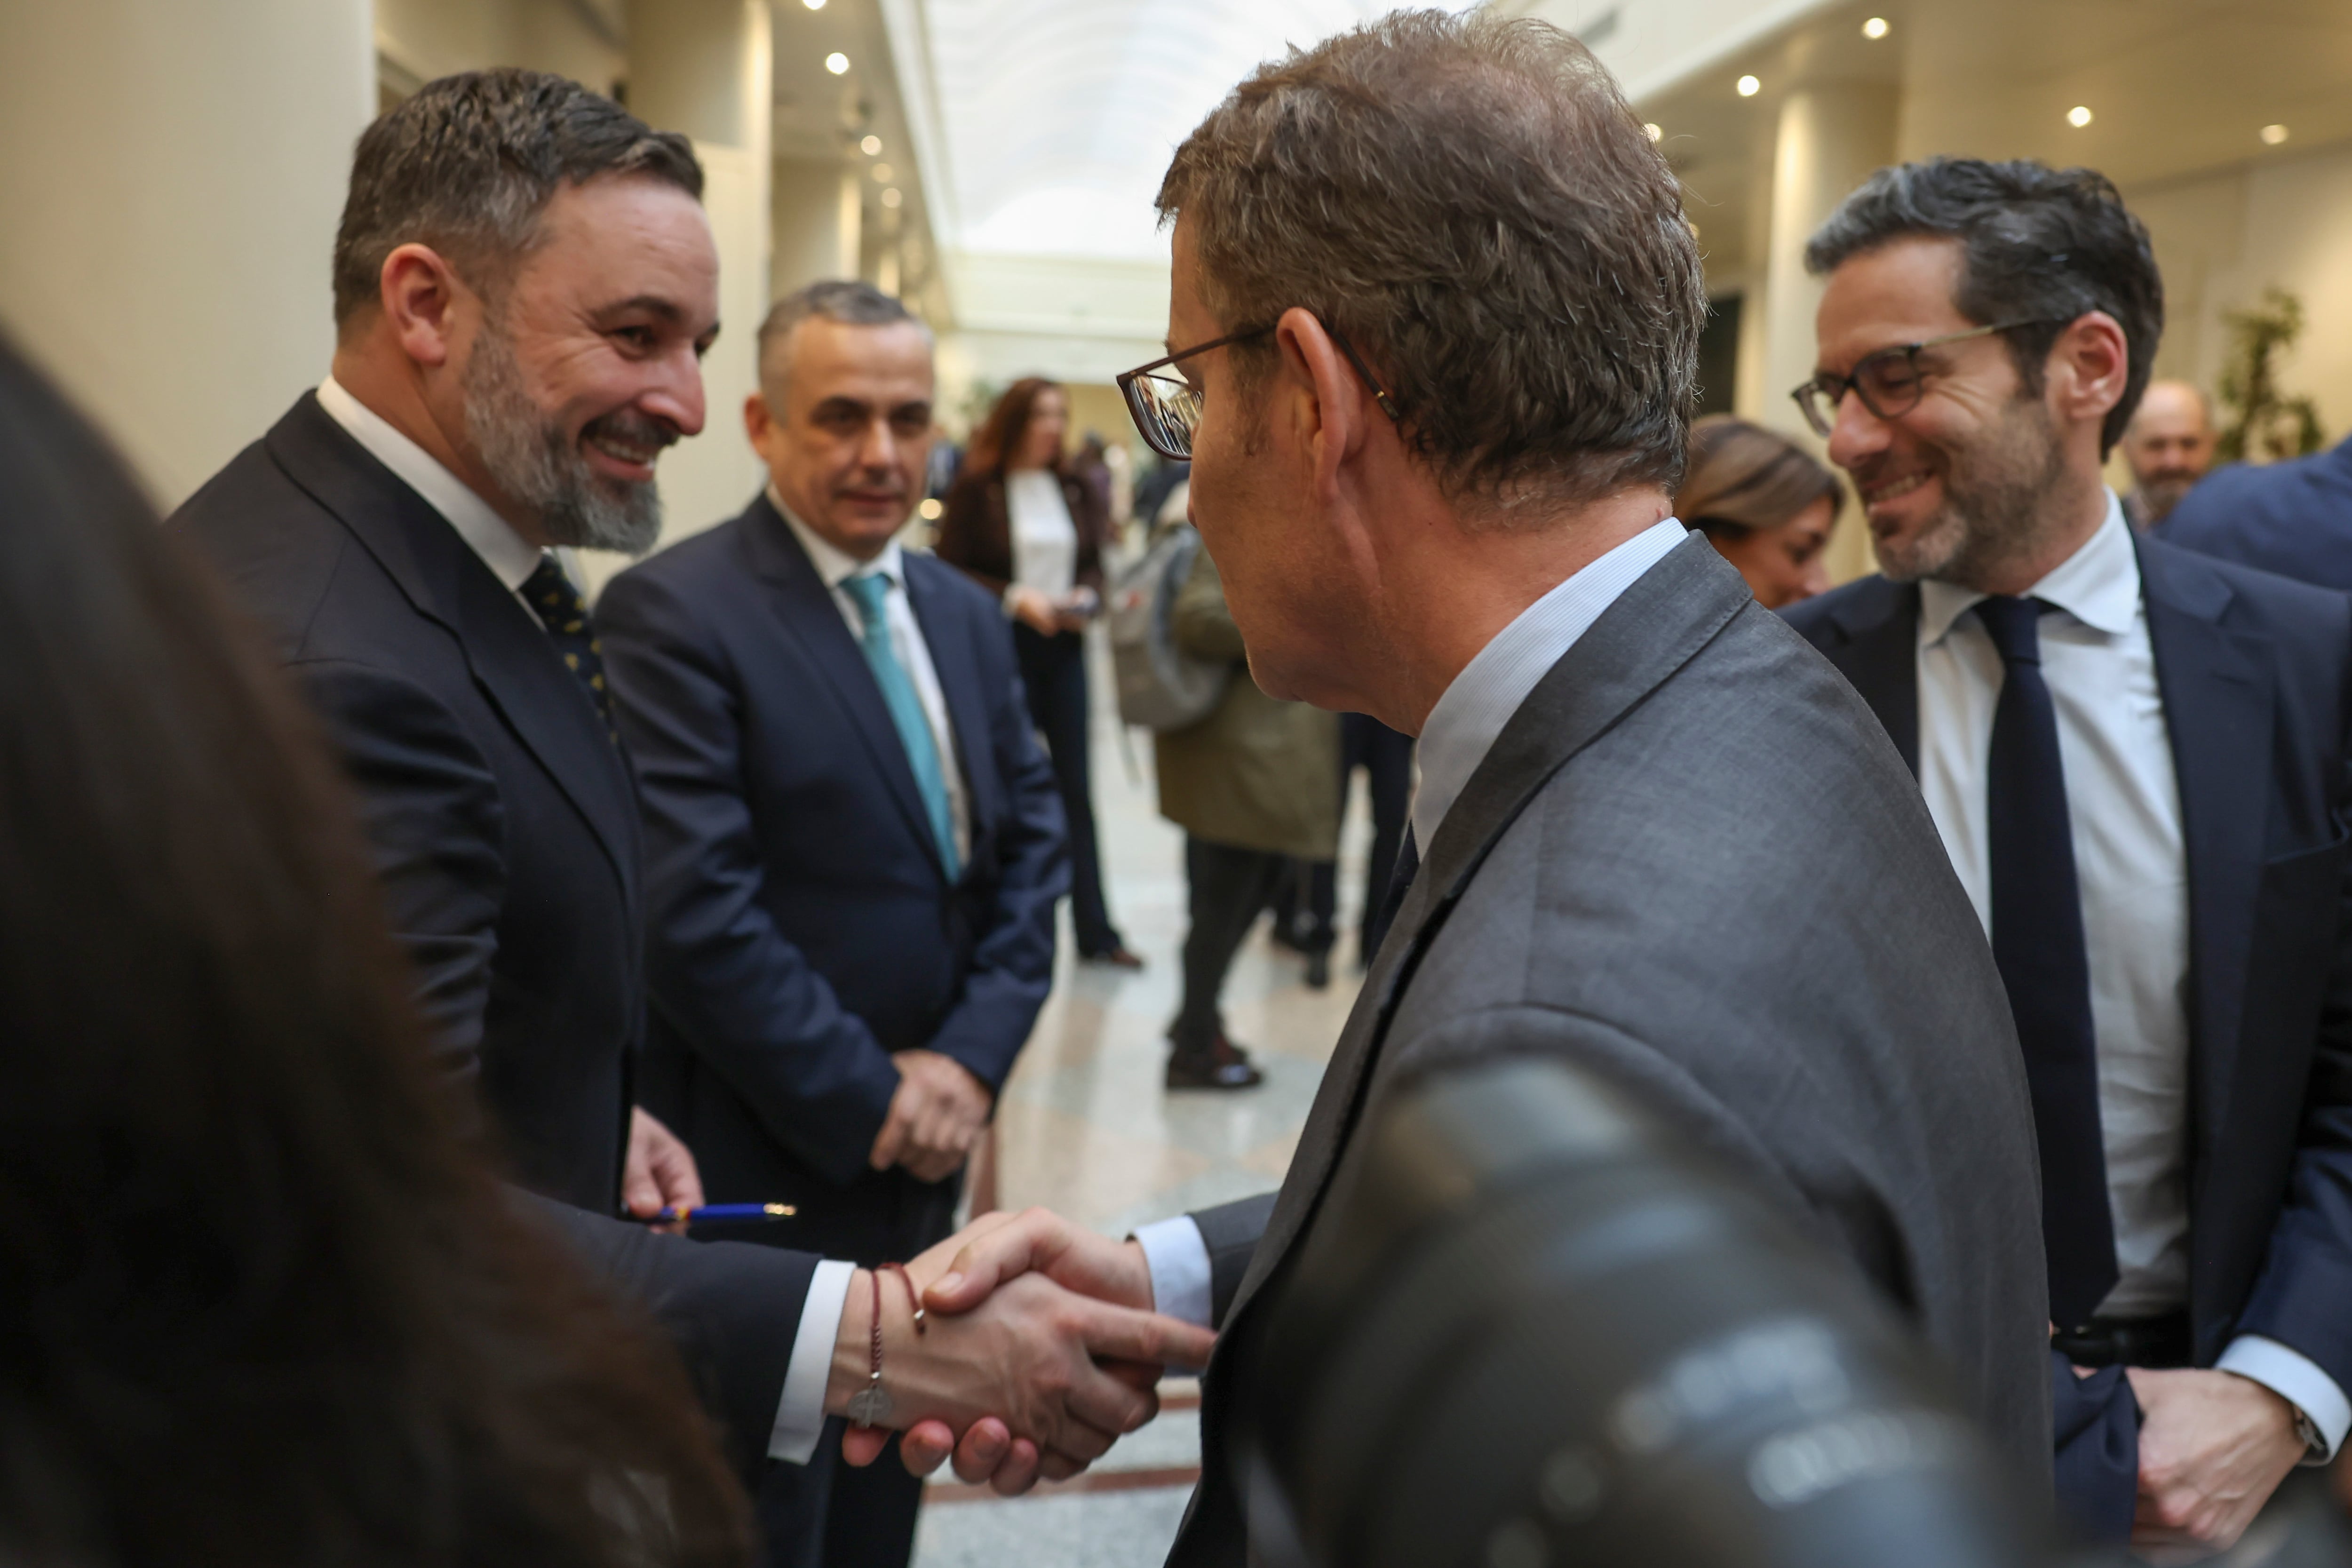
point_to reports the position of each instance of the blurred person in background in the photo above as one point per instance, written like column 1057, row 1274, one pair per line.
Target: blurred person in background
column 1251, row 787
column 2137, row 758
column 1025, row 525
column 2168, row 446
column 259, row 1303
column 1764, row 503
column 853, row 843
column 2293, row 517
column 1308, row 910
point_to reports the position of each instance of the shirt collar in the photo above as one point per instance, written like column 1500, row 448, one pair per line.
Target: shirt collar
column 834, row 564
column 1462, row 728
column 511, row 557
column 2098, row 585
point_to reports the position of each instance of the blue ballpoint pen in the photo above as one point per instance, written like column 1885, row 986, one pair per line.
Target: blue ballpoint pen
column 710, row 1214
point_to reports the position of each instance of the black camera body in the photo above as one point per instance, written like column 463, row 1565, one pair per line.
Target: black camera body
column 1535, row 1329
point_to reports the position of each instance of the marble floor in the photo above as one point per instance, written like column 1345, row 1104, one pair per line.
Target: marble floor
column 1086, row 1128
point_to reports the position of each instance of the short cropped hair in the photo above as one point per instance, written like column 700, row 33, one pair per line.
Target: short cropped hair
column 468, row 163
column 1471, row 204
column 2047, row 245
column 845, row 300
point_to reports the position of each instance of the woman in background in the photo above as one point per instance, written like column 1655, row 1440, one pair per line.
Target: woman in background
column 1024, row 526
column 258, row 1303
column 1764, row 503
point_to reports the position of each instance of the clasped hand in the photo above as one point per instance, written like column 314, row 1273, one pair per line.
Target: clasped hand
column 1040, row 1351
column 937, row 1114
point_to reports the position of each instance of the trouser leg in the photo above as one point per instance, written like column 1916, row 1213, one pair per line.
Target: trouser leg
column 1229, row 887
column 1387, row 759
column 1053, row 671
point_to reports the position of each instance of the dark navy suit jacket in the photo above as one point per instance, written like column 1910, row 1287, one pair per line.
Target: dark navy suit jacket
column 2256, row 676
column 803, row 926
column 506, row 837
column 2293, row 518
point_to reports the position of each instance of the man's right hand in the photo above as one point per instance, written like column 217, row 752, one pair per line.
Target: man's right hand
column 1033, row 609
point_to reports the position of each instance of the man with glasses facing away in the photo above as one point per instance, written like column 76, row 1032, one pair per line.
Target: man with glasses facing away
column 2136, row 757
column 1435, row 320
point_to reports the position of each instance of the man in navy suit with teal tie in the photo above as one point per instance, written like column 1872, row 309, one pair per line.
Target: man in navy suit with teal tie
column 854, row 846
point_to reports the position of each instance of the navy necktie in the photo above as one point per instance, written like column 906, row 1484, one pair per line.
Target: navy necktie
column 2037, row 941
column 564, row 612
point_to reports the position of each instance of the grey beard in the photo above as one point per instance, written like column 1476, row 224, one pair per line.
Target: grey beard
column 2159, row 496
column 531, row 463
column 1992, row 506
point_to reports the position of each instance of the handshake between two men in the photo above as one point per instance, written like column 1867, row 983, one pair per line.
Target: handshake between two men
column 1036, row 1350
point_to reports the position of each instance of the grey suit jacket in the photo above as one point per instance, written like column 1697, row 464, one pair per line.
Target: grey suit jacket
column 1692, row 862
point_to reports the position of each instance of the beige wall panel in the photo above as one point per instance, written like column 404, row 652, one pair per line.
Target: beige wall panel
column 435, row 38
column 171, row 207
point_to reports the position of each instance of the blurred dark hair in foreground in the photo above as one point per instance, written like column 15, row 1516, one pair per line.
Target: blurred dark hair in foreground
column 261, row 1304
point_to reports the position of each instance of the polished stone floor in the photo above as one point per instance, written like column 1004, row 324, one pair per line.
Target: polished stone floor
column 1086, row 1128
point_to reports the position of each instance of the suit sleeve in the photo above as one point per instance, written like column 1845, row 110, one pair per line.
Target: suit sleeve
column 437, row 834
column 1231, row 1233
column 755, row 1011
column 2299, row 1297
column 731, row 1308
column 1011, row 966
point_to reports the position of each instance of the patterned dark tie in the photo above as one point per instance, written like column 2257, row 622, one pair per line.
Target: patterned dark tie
column 565, row 614
column 2037, row 941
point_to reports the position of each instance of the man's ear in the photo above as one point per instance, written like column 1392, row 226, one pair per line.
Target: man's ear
column 1327, row 405
column 757, row 421
column 2093, row 361
column 421, row 298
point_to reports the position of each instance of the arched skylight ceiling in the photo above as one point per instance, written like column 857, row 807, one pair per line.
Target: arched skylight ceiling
column 1056, row 119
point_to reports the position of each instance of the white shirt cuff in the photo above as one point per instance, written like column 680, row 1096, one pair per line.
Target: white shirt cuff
column 2296, row 1378
column 800, row 1413
column 1179, row 1261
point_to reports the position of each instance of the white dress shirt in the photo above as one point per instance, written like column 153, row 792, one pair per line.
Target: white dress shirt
column 1045, row 540
column 837, row 566
column 800, row 1412
column 2131, row 862
column 1459, row 733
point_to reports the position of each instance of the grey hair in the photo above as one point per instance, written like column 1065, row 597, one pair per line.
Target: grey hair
column 1471, row 203
column 468, row 163
column 846, row 301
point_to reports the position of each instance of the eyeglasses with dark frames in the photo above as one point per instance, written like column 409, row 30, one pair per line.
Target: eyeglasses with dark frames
column 1889, row 382
column 1166, row 409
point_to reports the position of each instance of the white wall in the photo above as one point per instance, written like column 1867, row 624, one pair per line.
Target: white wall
column 168, row 207
column 435, row 38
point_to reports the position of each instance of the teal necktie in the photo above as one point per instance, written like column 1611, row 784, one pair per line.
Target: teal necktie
column 867, row 590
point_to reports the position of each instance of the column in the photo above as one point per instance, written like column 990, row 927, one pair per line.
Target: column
column 1829, row 138
column 171, row 200
column 705, row 68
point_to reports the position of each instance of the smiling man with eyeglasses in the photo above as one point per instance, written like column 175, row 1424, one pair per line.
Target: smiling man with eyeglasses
column 1433, row 353
column 2136, row 759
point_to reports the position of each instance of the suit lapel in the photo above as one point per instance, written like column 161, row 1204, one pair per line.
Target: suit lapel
column 1672, row 611
column 1879, row 655
column 960, row 688
column 513, row 661
column 2218, row 700
column 810, row 616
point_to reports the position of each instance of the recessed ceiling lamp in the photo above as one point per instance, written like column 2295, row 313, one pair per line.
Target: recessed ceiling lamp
column 813, row 4
column 2078, row 117
column 1749, row 86
column 871, row 146
column 891, row 198
column 1875, row 28
column 837, row 63
column 1652, row 132
column 2274, row 134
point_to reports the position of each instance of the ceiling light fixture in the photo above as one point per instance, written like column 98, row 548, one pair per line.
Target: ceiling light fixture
column 2274, row 134
column 813, row 4
column 1875, row 28
column 2078, row 117
column 1749, row 86
column 837, row 63
column 891, row 198
column 871, row 146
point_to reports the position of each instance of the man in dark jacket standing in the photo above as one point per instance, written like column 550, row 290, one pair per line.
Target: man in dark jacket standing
column 854, row 844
